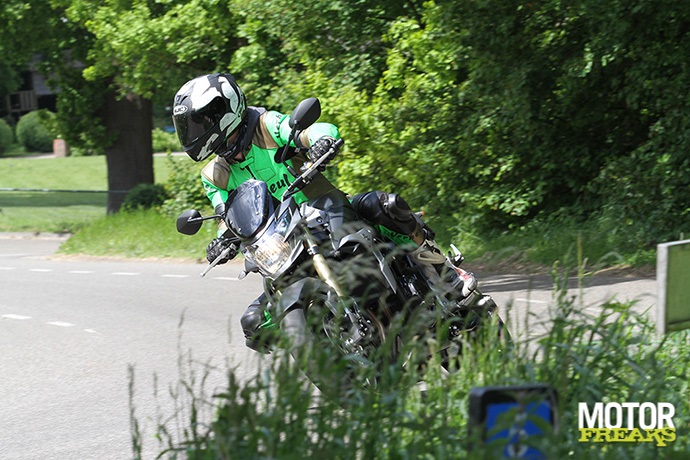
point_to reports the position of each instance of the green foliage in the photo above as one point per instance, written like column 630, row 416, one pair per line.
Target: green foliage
column 165, row 142
column 566, row 99
column 145, row 196
column 80, row 114
column 484, row 116
column 612, row 355
column 10, row 80
column 36, row 131
column 148, row 47
column 340, row 38
column 184, row 186
column 6, row 136
column 604, row 239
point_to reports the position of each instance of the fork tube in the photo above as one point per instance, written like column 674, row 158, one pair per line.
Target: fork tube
column 321, row 266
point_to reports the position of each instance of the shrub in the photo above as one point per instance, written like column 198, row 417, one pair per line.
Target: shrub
column 36, row 131
column 6, row 136
column 145, row 196
column 165, row 142
column 185, row 187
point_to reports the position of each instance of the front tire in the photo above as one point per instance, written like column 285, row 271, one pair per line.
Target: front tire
column 488, row 332
column 319, row 353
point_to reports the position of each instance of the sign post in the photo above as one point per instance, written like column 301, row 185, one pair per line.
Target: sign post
column 673, row 278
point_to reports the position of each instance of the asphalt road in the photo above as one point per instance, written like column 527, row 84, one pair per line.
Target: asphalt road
column 70, row 330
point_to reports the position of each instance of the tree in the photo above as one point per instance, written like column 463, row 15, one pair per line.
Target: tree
column 9, row 79
column 146, row 50
column 122, row 56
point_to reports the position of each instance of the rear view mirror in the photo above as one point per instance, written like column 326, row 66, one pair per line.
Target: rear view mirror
column 189, row 222
column 305, row 114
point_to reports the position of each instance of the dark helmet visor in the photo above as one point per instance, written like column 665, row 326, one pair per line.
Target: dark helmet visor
column 192, row 125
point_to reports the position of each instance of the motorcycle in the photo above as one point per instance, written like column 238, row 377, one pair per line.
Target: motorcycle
column 354, row 293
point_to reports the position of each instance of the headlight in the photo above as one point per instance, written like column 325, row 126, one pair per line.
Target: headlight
column 270, row 252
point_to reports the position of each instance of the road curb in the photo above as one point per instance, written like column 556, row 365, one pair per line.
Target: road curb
column 34, row 235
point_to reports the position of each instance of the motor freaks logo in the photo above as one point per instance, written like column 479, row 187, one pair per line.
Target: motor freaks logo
column 627, row 422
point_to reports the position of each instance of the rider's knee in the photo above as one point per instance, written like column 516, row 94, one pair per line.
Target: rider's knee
column 391, row 211
column 252, row 321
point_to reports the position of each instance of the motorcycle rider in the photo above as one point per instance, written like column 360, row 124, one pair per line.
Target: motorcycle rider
column 211, row 116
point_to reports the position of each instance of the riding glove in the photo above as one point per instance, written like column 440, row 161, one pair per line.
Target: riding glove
column 217, row 246
column 320, row 148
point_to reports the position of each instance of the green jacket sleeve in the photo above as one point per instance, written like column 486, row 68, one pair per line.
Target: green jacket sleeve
column 216, row 195
column 306, row 138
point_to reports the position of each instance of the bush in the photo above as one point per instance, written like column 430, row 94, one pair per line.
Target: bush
column 165, row 142
column 145, row 196
column 185, row 188
column 36, row 131
column 6, row 136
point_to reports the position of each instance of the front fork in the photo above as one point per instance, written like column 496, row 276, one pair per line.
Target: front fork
column 322, row 268
column 358, row 327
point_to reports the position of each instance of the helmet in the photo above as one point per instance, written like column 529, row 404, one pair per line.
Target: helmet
column 206, row 112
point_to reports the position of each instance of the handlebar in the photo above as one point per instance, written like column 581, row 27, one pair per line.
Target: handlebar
column 305, row 178
column 220, row 257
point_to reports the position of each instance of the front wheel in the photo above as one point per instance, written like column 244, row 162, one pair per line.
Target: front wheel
column 476, row 331
column 322, row 348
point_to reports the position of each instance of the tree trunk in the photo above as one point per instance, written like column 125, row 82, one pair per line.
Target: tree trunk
column 130, row 158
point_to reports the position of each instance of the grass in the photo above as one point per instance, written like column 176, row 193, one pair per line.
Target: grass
column 57, row 212
column 612, row 356
column 138, row 234
column 49, row 212
column 540, row 243
column 74, row 173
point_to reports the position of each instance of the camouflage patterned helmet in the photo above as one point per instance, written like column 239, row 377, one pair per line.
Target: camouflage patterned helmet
column 206, row 112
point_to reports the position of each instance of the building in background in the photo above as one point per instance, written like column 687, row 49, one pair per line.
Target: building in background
column 33, row 94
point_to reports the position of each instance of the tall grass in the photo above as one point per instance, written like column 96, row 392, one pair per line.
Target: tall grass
column 608, row 243
column 138, row 234
column 613, row 355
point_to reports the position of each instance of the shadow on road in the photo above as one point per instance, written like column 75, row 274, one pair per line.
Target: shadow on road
column 507, row 283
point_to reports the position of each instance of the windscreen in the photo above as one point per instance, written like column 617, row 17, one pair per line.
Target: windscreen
column 248, row 208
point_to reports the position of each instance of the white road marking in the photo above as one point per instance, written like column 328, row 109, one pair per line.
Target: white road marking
column 11, row 316
column 42, row 270
column 225, row 278
column 80, row 272
column 175, row 276
column 52, row 323
column 532, row 301
column 60, row 323
column 8, row 268
column 124, row 274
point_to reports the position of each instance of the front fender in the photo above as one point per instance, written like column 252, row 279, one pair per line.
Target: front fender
column 300, row 294
column 361, row 242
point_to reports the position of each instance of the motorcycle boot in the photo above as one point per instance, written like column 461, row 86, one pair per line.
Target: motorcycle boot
column 443, row 272
column 260, row 331
column 391, row 215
